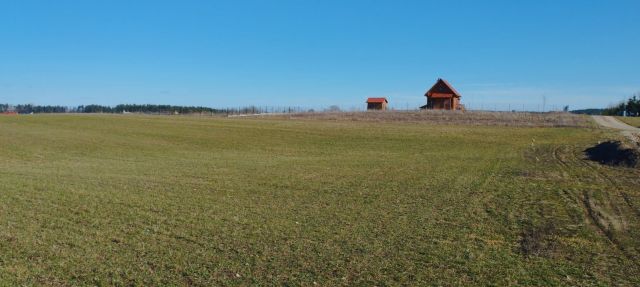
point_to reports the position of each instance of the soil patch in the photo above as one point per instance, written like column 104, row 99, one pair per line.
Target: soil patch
column 538, row 240
column 613, row 153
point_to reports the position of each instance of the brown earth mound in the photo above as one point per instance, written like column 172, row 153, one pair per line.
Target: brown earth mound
column 613, row 153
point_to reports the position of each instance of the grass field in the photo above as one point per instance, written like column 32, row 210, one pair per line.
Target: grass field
column 141, row 200
column 633, row 121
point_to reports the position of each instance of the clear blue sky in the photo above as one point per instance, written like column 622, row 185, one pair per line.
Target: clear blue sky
column 318, row 53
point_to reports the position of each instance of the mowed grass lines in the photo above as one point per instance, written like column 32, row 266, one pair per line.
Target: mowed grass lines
column 140, row 200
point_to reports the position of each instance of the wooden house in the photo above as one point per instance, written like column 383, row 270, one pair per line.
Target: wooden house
column 9, row 111
column 377, row 104
column 442, row 96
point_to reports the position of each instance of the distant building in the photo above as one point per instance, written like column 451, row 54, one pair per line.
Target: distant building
column 377, row 104
column 442, row 96
column 9, row 111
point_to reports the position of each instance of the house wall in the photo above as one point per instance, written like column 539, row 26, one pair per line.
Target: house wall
column 443, row 103
column 440, row 104
column 377, row 106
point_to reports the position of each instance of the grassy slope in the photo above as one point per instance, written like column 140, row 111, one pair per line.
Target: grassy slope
column 634, row 121
column 170, row 200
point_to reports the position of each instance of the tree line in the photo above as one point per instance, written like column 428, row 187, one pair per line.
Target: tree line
column 148, row 109
column 631, row 107
column 151, row 109
column 27, row 109
column 119, row 109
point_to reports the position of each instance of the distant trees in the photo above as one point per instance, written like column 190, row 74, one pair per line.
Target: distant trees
column 27, row 109
column 94, row 109
column 151, row 109
column 631, row 107
column 588, row 111
column 164, row 109
column 147, row 109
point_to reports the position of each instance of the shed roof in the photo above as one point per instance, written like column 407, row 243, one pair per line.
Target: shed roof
column 377, row 100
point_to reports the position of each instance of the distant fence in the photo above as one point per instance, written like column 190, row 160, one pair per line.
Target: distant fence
column 257, row 109
column 497, row 107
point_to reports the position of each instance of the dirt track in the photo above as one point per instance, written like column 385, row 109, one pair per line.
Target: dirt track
column 610, row 122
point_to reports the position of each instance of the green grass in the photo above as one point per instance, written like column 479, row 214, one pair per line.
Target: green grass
column 633, row 121
column 137, row 200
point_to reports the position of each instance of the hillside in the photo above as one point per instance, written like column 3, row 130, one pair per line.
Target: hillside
column 153, row 200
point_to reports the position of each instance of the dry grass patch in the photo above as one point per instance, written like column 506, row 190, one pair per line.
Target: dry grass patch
column 456, row 118
column 632, row 121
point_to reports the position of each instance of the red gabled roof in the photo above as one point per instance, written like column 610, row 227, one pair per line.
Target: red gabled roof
column 442, row 87
column 377, row 100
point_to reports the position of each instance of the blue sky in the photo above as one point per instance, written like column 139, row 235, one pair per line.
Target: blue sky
column 498, row 54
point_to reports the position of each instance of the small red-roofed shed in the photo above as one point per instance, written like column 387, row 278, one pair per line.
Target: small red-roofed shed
column 377, row 104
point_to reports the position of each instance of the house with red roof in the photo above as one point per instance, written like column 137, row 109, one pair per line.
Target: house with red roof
column 377, row 104
column 442, row 96
column 8, row 110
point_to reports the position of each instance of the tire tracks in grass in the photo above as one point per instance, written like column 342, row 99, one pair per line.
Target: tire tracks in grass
column 583, row 201
column 595, row 214
column 603, row 223
column 607, row 178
